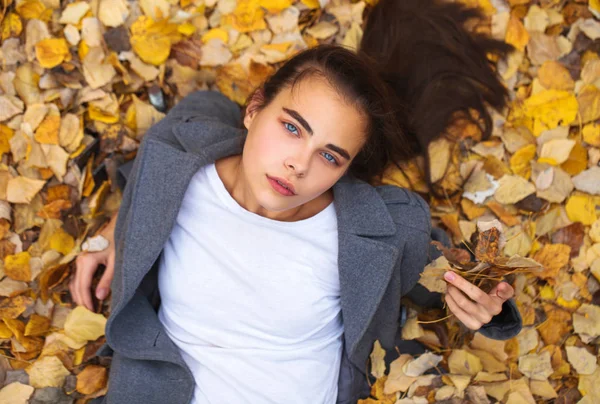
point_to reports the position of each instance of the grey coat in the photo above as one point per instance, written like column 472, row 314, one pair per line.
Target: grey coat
column 384, row 236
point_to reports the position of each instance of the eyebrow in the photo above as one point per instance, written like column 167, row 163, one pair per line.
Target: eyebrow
column 307, row 127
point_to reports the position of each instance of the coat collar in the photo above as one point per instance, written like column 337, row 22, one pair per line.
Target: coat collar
column 366, row 261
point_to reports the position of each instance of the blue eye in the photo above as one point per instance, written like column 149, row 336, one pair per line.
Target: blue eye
column 293, row 128
column 332, row 160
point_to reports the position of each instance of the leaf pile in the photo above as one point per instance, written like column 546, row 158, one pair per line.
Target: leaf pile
column 525, row 203
column 82, row 81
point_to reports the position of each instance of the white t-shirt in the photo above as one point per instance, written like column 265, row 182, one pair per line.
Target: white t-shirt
column 252, row 303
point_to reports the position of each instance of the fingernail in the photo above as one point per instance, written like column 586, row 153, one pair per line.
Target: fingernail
column 101, row 293
column 449, row 276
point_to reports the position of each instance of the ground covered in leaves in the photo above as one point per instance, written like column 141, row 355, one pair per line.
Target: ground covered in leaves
column 81, row 81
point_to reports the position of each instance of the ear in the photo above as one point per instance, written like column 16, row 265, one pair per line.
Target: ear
column 256, row 102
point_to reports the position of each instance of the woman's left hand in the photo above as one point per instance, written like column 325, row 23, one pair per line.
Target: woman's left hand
column 479, row 307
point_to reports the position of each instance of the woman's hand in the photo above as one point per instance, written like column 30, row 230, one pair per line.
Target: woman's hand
column 87, row 264
column 479, row 307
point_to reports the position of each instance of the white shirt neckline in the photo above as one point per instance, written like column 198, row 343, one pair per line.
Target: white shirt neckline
column 319, row 220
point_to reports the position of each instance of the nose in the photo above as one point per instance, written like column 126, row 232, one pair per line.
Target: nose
column 297, row 164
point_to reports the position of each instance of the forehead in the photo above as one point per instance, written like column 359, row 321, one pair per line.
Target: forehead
column 331, row 117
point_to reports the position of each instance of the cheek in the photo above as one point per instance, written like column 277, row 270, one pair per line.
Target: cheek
column 268, row 143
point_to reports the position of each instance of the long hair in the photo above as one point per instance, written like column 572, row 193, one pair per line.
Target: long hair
column 416, row 69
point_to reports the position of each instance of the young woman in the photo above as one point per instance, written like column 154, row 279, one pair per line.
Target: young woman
column 256, row 264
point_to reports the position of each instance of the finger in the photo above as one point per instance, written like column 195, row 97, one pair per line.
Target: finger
column 476, row 294
column 464, row 318
column 75, row 280
column 104, row 284
column 470, row 308
column 84, row 281
column 502, row 292
column 72, row 287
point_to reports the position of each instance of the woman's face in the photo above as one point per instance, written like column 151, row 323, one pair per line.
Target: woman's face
column 308, row 137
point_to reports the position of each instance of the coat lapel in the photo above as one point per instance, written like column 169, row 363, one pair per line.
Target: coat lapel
column 365, row 262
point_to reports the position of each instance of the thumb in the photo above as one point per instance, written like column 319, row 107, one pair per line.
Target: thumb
column 502, row 291
column 104, row 285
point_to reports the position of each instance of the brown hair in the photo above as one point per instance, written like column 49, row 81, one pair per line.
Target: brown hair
column 416, row 68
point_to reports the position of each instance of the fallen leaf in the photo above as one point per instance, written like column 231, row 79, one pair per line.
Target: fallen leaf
column 91, row 379
column 536, row 366
column 51, row 52
column 22, row 189
column 48, row 371
column 582, row 361
column 420, row 365
column 433, row 275
column 377, row 360
column 462, row 362
column 512, row 189
column 397, row 380
column 553, row 257
column 581, row 208
column 16, row 393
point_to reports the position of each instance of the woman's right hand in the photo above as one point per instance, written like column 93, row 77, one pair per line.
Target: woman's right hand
column 86, row 266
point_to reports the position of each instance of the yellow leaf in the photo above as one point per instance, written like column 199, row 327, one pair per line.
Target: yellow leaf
column 186, row 29
column 62, row 242
column 5, row 332
column 516, row 34
column 31, row 9
column 97, row 114
column 91, row 379
column 6, row 134
column 581, row 208
column 275, row 6
column 313, row 4
column 82, row 49
column 82, row 324
column 577, row 160
column 547, row 160
column 554, row 75
column 219, row 33
column 48, row 371
column 17, row 266
column 589, row 103
column 547, row 292
column 545, row 110
column 152, row 40
column 51, row 52
column 594, row 6
column 591, row 134
column 37, row 325
column 78, row 356
column 151, row 49
column 130, row 119
column 47, row 132
column 568, row 304
column 553, row 257
column 13, row 308
column 520, row 162
column 248, row 16
column 11, row 26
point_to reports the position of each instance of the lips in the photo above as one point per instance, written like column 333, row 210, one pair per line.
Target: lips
column 283, row 183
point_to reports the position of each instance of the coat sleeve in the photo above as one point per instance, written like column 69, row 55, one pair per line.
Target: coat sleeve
column 202, row 104
column 503, row 326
